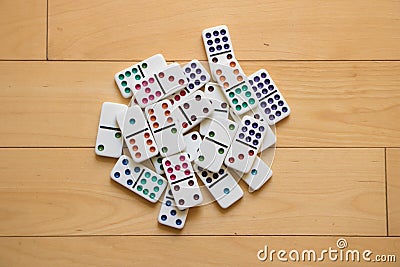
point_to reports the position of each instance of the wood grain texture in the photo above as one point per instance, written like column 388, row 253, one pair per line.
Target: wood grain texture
column 308, row 29
column 58, row 206
column 334, row 104
column 393, row 190
column 23, row 29
column 173, row 250
column 313, row 191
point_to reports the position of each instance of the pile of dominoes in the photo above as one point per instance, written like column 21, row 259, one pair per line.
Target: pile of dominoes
column 232, row 117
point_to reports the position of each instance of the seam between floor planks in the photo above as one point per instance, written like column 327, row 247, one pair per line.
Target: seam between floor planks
column 68, row 174
column 47, row 30
column 169, row 60
column 197, row 235
column 344, row 38
column 386, row 196
column 365, row 118
column 393, row 189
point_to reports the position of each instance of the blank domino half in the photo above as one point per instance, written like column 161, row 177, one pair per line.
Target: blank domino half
column 109, row 137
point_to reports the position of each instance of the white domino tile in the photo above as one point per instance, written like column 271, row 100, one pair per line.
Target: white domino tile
column 127, row 78
column 169, row 214
column 215, row 144
column 182, row 180
column 165, row 128
column 192, row 111
column 109, row 139
column 193, row 141
column 222, row 186
column 246, row 144
column 273, row 105
column 259, row 174
column 138, row 178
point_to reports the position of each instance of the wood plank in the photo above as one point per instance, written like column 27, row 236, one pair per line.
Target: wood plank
column 393, row 190
column 208, row 250
column 261, row 30
column 23, row 29
column 334, row 104
column 56, row 103
column 313, row 191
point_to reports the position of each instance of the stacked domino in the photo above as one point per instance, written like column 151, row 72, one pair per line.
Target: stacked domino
column 232, row 115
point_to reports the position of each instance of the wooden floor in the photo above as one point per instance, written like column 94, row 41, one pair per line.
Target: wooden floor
column 337, row 162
